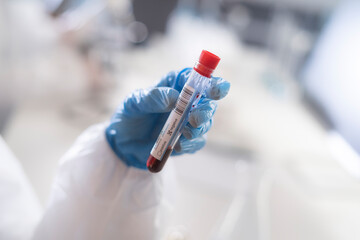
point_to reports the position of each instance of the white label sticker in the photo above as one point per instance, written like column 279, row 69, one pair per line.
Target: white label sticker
column 172, row 122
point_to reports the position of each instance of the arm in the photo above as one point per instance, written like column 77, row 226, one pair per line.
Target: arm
column 96, row 196
column 103, row 190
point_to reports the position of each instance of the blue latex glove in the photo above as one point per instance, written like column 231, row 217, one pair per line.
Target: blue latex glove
column 138, row 121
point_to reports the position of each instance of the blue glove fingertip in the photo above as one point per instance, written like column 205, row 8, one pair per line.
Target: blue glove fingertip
column 189, row 146
column 190, row 132
column 202, row 113
column 155, row 100
column 182, row 78
column 168, row 80
column 175, row 79
column 218, row 89
column 165, row 97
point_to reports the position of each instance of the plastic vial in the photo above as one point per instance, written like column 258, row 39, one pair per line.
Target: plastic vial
column 190, row 95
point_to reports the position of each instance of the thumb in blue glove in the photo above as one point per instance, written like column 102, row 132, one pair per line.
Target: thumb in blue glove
column 138, row 121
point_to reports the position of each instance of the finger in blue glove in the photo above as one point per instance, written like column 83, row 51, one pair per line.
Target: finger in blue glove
column 138, row 121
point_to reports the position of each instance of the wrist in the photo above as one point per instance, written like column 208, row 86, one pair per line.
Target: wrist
column 112, row 139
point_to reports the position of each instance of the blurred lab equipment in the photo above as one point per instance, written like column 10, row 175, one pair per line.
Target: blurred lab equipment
column 144, row 12
column 315, row 194
column 58, row 7
column 285, row 29
column 6, row 99
column 331, row 77
column 100, row 31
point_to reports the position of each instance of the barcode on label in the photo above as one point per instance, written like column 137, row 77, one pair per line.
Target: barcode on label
column 184, row 99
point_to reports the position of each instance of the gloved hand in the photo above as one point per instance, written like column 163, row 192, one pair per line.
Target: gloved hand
column 138, row 121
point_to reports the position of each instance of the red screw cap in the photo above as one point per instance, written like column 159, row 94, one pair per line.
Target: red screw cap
column 207, row 63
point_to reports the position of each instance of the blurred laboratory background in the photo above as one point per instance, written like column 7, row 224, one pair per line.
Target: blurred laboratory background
column 282, row 160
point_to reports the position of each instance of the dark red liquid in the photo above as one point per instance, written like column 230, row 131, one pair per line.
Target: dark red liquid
column 154, row 165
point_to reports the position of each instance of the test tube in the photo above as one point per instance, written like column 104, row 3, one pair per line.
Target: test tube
column 190, row 95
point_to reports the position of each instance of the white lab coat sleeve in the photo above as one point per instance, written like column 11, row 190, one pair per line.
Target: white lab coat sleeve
column 96, row 196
